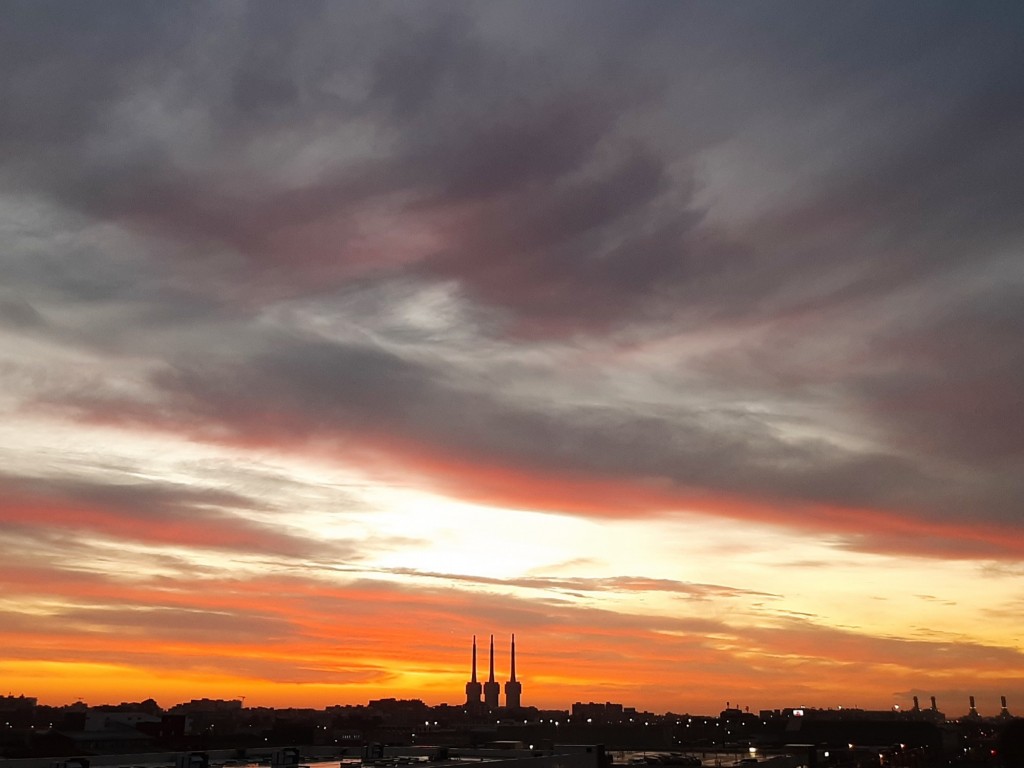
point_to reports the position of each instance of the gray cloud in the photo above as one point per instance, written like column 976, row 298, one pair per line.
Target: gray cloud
column 577, row 585
column 18, row 313
column 565, row 191
column 150, row 512
column 469, row 118
column 165, row 623
column 960, row 375
column 331, row 393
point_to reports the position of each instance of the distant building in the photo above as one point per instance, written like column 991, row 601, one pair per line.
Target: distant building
column 15, row 703
column 99, row 720
column 607, row 712
column 972, row 713
column 208, row 705
column 405, row 712
column 18, row 711
column 1004, row 713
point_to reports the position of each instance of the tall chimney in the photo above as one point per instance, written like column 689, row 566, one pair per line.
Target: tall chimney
column 473, row 687
column 492, row 690
column 935, row 707
column 917, row 705
column 513, row 677
column 513, row 688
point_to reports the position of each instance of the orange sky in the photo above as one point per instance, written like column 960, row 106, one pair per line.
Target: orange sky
column 130, row 608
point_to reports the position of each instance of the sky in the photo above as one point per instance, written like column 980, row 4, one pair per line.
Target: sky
column 682, row 339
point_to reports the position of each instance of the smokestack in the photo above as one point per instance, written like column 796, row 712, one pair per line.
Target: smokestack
column 473, row 687
column 935, row 707
column 917, row 706
column 1002, row 702
column 973, row 712
column 491, row 678
column 513, row 688
column 492, row 691
column 513, row 678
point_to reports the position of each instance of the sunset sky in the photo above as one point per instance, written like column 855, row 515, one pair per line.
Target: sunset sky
column 683, row 339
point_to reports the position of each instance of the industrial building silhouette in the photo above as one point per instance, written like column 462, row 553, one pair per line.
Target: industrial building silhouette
column 491, row 690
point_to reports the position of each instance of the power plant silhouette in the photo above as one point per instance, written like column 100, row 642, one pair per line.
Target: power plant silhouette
column 491, row 690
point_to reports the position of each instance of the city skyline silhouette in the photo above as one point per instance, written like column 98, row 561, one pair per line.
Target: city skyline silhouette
column 483, row 700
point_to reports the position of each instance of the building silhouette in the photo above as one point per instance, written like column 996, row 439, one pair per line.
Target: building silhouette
column 473, row 688
column 972, row 713
column 1004, row 713
column 513, row 688
column 492, row 691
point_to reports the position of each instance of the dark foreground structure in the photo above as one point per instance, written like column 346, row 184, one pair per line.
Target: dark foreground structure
column 408, row 729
